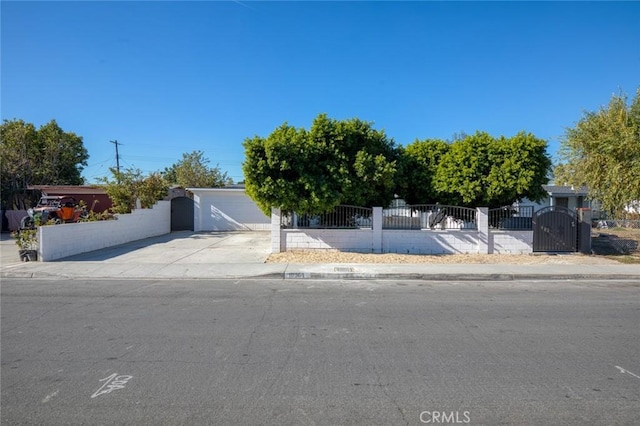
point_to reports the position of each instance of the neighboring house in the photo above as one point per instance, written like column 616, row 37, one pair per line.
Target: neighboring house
column 94, row 195
column 563, row 196
column 567, row 196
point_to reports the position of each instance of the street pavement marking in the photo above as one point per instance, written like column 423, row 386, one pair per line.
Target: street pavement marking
column 624, row 371
column 111, row 383
column 48, row 397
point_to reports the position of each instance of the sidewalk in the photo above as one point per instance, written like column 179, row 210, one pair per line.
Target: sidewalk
column 241, row 256
column 484, row 272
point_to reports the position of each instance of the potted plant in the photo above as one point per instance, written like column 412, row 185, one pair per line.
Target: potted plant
column 27, row 241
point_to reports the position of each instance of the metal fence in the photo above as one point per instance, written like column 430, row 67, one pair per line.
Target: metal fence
column 343, row 217
column 511, row 218
column 429, row 216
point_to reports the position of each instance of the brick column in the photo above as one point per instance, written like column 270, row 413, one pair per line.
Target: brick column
column 275, row 230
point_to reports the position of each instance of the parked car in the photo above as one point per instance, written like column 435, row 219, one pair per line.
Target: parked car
column 56, row 209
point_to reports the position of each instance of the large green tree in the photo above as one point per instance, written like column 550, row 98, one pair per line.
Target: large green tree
column 462, row 171
column 417, row 169
column 193, row 171
column 312, row 171
column 478, row 170
column 602, row 152
column 44, row 156
column 520, row 165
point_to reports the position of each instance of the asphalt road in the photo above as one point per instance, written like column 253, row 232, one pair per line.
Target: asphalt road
column 319, row 352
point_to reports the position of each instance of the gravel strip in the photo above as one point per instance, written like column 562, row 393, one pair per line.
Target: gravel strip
column 520, row 259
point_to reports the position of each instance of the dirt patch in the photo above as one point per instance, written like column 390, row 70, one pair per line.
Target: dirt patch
column 620, row 244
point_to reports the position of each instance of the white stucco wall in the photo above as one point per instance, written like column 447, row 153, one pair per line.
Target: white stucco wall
column 68, row 239
column 227, row 209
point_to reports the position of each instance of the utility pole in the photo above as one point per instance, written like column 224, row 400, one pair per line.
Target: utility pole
column 116, row 143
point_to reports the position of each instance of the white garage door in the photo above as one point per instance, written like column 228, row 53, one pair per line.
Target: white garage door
column 220, row 209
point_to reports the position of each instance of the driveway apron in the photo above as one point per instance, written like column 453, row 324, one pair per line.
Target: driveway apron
column 187, row 247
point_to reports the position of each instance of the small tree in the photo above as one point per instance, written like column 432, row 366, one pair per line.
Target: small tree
column 193, row 171
column 130, row 185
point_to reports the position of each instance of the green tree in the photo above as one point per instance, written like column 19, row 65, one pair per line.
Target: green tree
column 334, row 162
column 416, row 171
column 46, row 156
column 193, row 171
column 129, row 185
column 602, row 152
column 462, row 172
column 289, row 171
column 368, row 163
column 480, row 170
column 520, row 166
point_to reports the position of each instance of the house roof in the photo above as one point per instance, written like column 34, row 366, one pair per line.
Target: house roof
column 561, row 190
column 69, row 189
column 237, row 187
column 225, row 189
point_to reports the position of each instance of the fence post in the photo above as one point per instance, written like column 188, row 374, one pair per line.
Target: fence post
column 485, row 245
column 275, row 230
column 376, row 227
column 584, row 231
column 41, row 247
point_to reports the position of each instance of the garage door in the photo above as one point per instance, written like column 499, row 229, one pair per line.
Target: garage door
column 229, row 211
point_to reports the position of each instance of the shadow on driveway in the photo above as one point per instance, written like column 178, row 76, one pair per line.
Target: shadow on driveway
column 186, row 247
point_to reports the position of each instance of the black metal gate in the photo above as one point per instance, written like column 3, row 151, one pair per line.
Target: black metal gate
column 182, row 214
column 555, row 229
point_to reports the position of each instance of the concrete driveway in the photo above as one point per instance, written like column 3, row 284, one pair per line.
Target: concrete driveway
column 8, row 250
column 174, row 248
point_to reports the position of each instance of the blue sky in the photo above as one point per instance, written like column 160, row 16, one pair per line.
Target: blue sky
column 164, row 78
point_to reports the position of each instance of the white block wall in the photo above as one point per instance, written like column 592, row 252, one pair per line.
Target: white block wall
column 59, row 241
column 354, row 240
column 511, row 242
column 429, row 242
column 376, row 239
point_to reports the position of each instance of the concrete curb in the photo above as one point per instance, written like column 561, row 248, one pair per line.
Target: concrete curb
column 455, row 277
column 304, row 275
